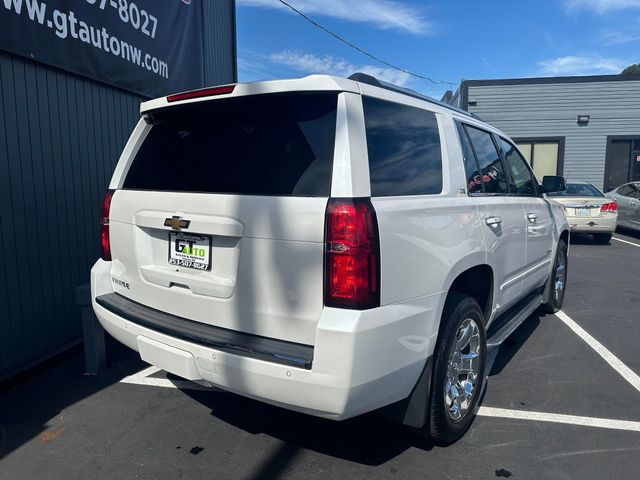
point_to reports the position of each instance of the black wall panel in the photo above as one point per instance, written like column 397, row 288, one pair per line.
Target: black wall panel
column 60, row 138
column 220, row 57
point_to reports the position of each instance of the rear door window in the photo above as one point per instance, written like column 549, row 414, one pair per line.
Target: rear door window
column 472, row 171
column 493, row 176
column 404, row 149
column 279, row 144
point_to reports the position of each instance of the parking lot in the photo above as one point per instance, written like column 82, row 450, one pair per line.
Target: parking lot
column 563, row 401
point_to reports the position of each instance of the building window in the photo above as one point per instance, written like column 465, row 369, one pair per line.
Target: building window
column 544, row 155
column 622, row 162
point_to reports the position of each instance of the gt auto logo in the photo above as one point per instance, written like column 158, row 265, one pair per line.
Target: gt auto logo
column 187, row 247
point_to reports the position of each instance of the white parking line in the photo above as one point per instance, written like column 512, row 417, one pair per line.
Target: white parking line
column 625, row 241
column 143, row 378
column 560, row 418
column 626, row 373
column 141, row 374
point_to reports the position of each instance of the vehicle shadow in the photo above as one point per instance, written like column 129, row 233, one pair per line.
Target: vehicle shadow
column 368, row 439
column 627, row 232
column 513, row 343
column 585, row 239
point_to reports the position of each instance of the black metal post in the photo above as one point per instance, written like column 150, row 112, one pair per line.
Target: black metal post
column 95, row 355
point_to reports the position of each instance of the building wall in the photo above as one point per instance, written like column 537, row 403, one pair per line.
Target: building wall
column 61, row 137
column 220, row 57
column 550, row 109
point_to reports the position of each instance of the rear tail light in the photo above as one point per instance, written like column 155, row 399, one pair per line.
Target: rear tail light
column 611, row 207
column 352, row 254
column 203, row 92
column 105, row 245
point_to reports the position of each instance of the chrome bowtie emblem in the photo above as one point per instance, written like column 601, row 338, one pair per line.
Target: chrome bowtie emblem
column 176, row 223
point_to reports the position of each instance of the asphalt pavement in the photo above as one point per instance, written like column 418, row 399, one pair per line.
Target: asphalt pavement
column 576, row 412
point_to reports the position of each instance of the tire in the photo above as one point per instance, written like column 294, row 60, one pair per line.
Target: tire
column 554, row 291
column 449, row 416
column 602, row 238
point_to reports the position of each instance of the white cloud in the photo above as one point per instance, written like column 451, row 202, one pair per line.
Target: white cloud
column 251, row 69
column 384, row 14
column 309, row 63
column 618, row 37
column 601, row 6
column 578, row 65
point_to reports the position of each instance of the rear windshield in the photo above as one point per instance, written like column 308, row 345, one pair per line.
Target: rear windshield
column 260, row 145
column 578, row 190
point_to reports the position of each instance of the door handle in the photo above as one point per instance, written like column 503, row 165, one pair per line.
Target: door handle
column 532, row 217
column 493, row 221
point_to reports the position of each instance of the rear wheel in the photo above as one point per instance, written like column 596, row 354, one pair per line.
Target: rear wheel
column 459, row 361
column 557, row 283
column 602, row 238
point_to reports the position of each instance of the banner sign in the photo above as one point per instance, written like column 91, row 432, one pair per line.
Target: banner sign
column 149, row 47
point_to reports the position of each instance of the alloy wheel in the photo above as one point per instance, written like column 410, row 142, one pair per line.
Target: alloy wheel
column 462, row 370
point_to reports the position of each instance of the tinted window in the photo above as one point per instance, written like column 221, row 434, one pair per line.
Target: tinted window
column 578, row 190
column 474, row 179
column 523, row 181
column 260, row 145
column 635, row 193
column 404, row 149
column 493, row 176
column 626, row 190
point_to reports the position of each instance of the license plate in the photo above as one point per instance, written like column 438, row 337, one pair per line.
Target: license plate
column 583, row 212
column 192, row 251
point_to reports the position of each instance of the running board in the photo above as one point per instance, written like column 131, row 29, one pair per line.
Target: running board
column 507, row 323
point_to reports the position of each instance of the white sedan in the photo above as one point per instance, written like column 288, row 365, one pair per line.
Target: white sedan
column 588, row 210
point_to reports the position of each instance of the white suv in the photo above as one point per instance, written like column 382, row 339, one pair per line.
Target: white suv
column 328, row 245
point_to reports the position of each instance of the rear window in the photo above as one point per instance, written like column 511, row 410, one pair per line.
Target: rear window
column 578, row 190
column 404, row 149
column 259, row 145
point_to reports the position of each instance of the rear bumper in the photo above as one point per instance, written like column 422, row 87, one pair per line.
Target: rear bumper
column 361, row 360
column 592, row 224
column 254, row 346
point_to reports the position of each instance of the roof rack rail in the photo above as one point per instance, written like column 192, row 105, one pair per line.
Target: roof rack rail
column 371, row 80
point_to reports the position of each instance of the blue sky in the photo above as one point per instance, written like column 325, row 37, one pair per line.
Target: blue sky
column 448, row 41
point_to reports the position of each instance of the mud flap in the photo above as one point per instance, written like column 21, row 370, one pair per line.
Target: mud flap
column 413, row 410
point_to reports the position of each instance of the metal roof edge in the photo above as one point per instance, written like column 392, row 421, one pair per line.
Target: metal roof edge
column 550, row 80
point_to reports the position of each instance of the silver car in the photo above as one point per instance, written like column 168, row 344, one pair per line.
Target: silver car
column 627, row 197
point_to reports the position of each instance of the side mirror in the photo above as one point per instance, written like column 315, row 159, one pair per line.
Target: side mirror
column 553, row 183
